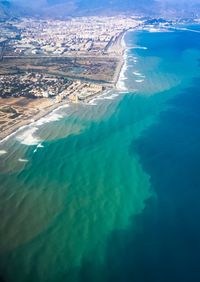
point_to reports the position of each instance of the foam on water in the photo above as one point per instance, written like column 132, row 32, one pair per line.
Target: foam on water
column 139, row 80
column 157, row 30
column 139, row 47
column 121, row 86
column 111, row 97
column 122, row 78
column 136, row 73
column 92, row 102
column 22, row 160
column 12, row 134
column 40, row 145
column 123, row 43
column 28, row 137
column 105, row 96
column 49, row 118
column 3, row 152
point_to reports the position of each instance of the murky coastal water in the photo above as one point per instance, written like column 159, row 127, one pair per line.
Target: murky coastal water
column 110, row 191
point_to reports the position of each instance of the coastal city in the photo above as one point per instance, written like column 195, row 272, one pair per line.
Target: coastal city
column 76, row 36
column 78, row 48
column 57, row 61
column 61, row 61
column 99, row 140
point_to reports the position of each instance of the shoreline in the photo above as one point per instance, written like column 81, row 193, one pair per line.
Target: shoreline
column 121, row 59
column 11, row 131
column 122, row 64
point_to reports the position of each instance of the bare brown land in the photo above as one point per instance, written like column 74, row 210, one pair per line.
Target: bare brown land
column 18, row 112
column 103, row 69
column 99, row 68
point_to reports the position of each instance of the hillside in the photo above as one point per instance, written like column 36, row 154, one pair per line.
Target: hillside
column 62, row 8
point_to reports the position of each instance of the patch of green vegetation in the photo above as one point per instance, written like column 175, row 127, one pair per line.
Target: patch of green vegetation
column 8, row 110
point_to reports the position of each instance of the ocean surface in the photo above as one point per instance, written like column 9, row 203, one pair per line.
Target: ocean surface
column 110, row 191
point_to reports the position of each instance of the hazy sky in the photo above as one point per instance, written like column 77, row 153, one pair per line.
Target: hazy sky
column 43, row 2
column 65, row 1
column 63, row 8
column 71, row 5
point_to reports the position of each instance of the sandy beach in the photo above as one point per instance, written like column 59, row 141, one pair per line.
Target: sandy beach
column 31, row 110
column 35, row 110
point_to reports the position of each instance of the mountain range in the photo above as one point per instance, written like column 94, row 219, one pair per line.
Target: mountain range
column 62, row 8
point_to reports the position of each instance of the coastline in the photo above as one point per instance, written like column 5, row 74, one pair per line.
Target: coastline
column 5, row 135
column 119, row 84
column 121, row 59
column 31, row 119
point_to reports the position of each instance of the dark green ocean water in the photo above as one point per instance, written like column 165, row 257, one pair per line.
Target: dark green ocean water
column 112, row 192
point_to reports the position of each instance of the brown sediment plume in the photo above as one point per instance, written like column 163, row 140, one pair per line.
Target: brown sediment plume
column 29, row 111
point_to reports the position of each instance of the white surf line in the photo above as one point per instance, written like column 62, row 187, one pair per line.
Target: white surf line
column 37, row 147
column 22, row 160
column 103, row 96
column 3, row 152
column 40, row 121
column 137, row 73
column 187, row 29
column 154, row 30
column 28, row 136
column 139, row 47
column 133, row 60
column 139, row 80
column 111, row 97
column 40, row 145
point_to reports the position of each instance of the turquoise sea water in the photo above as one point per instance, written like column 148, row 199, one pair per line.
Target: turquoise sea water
column 110, row 191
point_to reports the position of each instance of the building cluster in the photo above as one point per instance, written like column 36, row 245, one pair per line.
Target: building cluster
column 32, row 85
column 82, row 91
column 80, row 37
column 73, row 36
column 38, row 85
column 8, row 30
